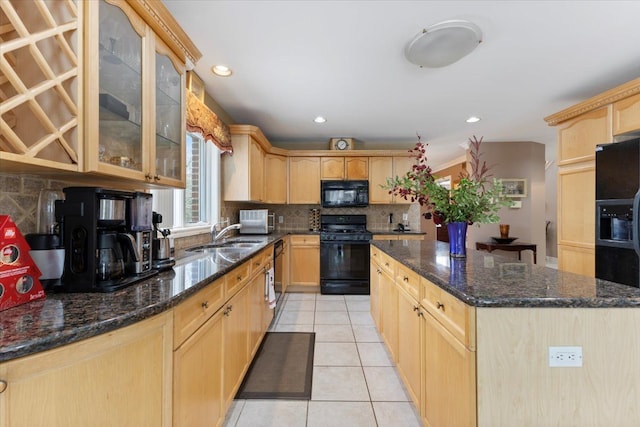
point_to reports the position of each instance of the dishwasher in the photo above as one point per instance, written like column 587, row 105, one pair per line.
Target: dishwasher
column 278, row 274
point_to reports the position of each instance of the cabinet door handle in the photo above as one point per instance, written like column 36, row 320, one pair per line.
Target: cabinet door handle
column 205, row 304
column 439, row 305
column 3, row 385
column 230, row 307
column 416, row 308
column 420, row 314
column 379, row 271
column 226, row 313
column 156, row 178
column 147, row 177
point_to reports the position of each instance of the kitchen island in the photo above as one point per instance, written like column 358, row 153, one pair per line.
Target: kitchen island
column 482, row 328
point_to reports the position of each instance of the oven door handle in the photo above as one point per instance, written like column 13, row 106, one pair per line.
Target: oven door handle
column 635, row 223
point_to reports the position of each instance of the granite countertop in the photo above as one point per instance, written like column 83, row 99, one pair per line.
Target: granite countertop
column 489, row 280
column 61, row 318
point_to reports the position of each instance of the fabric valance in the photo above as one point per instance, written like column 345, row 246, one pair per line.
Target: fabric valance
column 202, row 120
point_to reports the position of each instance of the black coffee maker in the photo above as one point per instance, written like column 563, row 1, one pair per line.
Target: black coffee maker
column 101, row 254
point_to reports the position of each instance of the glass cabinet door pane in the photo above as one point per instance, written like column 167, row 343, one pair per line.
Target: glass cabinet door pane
column 120, row 89
column 169, row 89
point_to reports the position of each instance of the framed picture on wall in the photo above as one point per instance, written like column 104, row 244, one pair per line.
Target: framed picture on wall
column 513, row 187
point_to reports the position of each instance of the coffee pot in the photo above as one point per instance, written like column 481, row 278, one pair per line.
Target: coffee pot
column 110, row 261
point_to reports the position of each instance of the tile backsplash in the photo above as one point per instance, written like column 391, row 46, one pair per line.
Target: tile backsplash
column 19, row 199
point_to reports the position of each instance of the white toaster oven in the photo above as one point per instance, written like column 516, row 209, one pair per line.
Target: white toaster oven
column 257, row 221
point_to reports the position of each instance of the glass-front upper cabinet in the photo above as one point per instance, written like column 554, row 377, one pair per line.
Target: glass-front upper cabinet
column 120, row 111
column 170, row 115
column 135, row 98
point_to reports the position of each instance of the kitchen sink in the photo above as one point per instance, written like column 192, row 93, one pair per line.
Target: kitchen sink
column 236, row 244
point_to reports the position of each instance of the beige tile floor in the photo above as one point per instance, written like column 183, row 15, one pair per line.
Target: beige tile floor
column 355, row 383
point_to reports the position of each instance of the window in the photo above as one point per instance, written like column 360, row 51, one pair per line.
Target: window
column 195, row 208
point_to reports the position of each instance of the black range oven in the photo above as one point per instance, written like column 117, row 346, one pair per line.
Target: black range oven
column 344, row 254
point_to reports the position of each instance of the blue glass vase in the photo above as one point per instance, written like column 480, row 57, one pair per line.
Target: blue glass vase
column 457, row 239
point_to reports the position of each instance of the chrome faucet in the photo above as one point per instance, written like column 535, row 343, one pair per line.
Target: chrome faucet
column 217, row 236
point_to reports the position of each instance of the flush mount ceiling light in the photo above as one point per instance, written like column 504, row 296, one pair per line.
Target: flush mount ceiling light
column 320, row 119
column 443, row 43
column 473, row 119
column 221, row 70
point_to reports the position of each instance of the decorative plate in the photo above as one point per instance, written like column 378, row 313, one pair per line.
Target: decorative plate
column 505, row 240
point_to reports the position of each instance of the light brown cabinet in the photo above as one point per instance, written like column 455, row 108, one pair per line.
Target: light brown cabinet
column 389, row 312
column 197, row 359
column 449, row 377
column 374, row 291
column 304, row 262
column 344, row 168
column 129, row 127
column 356, row 168
column 235, row 341
column 90, row 382
column 243, row 174
column 197, row 376
column 43, row 118
column 431, row 337
column 577, row 140
column 135, row 115
column 382, row 168
column 275, row 179
column 304, row 180
column 580, row 128
column 626, row 115
column 332, row 167
column 410, row 344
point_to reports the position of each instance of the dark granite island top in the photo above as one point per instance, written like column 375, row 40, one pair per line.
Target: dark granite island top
column 61, row 319
column 491, row 280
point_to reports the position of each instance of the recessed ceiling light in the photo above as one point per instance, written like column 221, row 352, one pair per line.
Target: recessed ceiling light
column 473, row 119
column 221, row 70
column 319, row 119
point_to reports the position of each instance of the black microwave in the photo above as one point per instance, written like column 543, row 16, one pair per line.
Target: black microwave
column 344, row 194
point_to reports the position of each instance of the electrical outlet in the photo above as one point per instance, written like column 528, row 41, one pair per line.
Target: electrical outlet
column 565, row 357
column 405, row 216
column 280, row 219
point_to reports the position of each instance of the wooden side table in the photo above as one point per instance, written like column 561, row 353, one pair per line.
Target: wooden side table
column 511, row 247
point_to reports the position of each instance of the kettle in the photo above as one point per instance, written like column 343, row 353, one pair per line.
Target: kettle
column 110, row 262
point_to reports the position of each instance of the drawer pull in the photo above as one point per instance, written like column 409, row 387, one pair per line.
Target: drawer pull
column 439, row 305
column 156, row 178
column 3, row 385
column 226, row 312
column 386, row 264
column 378, row 271
column 405, row 278
column 205, row 305
column 239, row 278
column 416, row 308
column 230, row 307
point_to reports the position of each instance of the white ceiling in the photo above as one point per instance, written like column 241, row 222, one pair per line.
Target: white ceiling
column 294, row 60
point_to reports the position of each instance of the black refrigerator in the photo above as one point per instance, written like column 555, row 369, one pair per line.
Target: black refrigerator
column 617, row 208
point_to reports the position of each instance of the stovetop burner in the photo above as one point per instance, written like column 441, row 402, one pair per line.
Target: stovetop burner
column 344, row 227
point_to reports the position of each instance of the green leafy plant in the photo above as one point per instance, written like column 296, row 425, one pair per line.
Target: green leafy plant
column 475, row 199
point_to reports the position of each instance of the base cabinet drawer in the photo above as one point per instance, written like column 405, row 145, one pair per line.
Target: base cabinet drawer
column 192, row 313
column 456, row 316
